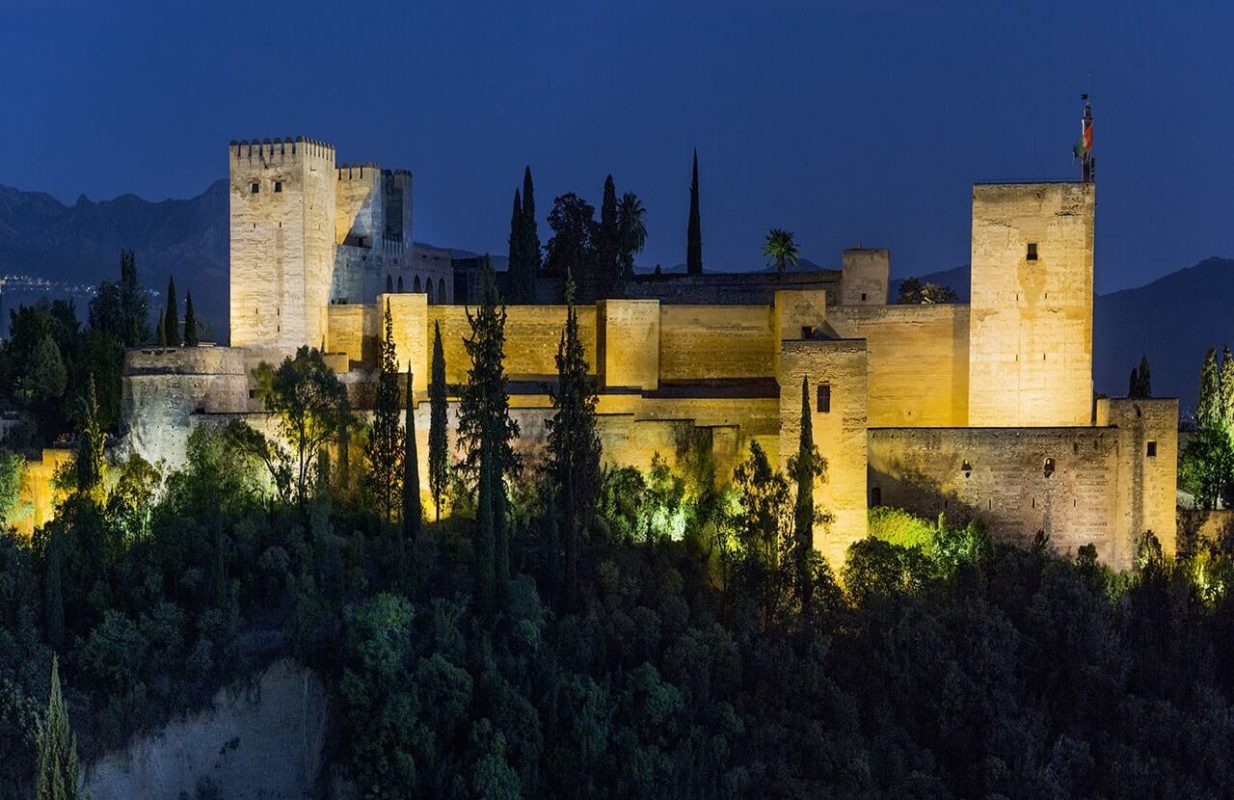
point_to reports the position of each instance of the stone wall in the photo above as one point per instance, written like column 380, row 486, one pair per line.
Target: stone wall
column 716, row 342
column 38, row 496
column 532, row 336
column 865, row 277
column 1031, row 322
column 1148, row 464
column 918, row 368
column 162, row 387
column 628, row 343
column 730, row 288
column 1065, row 482
column 359, row 208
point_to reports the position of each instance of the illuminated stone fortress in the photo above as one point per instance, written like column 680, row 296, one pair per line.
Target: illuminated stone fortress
column 979, row 411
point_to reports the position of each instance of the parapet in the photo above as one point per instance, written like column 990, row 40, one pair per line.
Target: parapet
column 363, row 170
column 280, row 149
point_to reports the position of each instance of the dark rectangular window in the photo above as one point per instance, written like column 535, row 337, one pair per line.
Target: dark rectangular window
column 807, row 331
column 1032, row 251
column 1152, row 449
column 876, row 497
column 863, row 297
column 824, row 398
column 278, row 186
column 253, row 187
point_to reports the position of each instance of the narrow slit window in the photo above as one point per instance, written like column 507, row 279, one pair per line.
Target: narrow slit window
column 824, row 398
column 278, row 186
column 1032, row 251
column 1152, row 450
column 876, row 497
column 807, row 331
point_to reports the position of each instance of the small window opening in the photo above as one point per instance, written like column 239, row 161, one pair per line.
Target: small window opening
column 1152, row 449
column 966, row 468
column 863, row 297
column 1048, row 468
column 254, row 187
column 1032, row 251
column 824, row 398
column 278, row 186
column 807, row 331
column 876, row 496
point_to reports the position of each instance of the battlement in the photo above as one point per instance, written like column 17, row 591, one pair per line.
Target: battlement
column 363, row 170
column 280, row 149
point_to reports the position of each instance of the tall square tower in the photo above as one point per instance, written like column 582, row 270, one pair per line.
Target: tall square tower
column 1031, row 324
column 282, row 242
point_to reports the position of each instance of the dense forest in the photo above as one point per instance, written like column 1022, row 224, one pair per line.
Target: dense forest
column 571, row 629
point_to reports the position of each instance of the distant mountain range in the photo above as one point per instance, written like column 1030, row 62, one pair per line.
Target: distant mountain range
column 1172, row 320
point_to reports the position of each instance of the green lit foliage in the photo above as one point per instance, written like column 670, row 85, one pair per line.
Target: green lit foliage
column 11, row 467
column 780, row 248
column 59, row 772
column 914, row 292
column 1206, row 463
column 385, row 440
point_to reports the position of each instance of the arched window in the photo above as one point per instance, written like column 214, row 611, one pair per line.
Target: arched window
column 441, row 291
column 415, row 287
column 400, row 284
column 428, row 287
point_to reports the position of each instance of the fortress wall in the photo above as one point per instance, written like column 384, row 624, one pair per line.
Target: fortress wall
column 628, row 343
column 353, row 330
column 921, row 470
column 430, row 264
column 532, row 336
column 1148, row 466
column 1031, row 331
column 359, row 275
column 409, row 322
column 709, row 342
column 839, row 432
column 759, row 416
column 162, row 387
column 918, row 368
column 360, row 213
column 730, row 288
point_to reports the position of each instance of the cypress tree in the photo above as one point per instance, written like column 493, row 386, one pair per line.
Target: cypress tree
column 134, row 303
column 518, row 267
column 1133, row 386
column 385, row 445
column 1209, row 410
column 55, row 594
column 1145, row 387
column 190, row 322
column 485, row 427
column 574, row 447
column 438, row 441
column 608, row 252
column 1227, row 391
column 59, row 773
column 805, row 467
column 90, row 443
column 162, row 332
column 171, row 321
column 694, row 232
column 413, row 514
column 531, row 233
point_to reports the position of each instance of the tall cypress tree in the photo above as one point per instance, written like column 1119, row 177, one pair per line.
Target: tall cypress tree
column 531, row 232
column 1227, row 391
column 694, row 232
column 190, row 322
column 1145, row 380
column 59, row 772
column 485, row 427
column 1133, row 384
column 134, row 303
column 574, row 448
column 90, row 443
column 1209, row 410
column 608, row 251
column 805, row 467
column 162, row 330
column 518, row 267
column 385, row 445
column 171, row 320
column 438, row 439
column 413, row 514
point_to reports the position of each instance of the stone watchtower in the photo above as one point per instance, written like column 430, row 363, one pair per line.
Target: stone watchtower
column 282, row 242
column 1031, row 325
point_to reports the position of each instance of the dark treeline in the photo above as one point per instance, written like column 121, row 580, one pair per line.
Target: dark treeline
column 574, row 630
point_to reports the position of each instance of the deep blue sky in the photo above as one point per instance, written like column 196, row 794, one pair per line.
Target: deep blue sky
column 844, row 122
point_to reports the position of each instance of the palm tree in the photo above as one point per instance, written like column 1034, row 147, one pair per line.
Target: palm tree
column 780, row 248
column 631, row 230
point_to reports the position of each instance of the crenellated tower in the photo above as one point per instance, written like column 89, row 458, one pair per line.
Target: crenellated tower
column 282, row 241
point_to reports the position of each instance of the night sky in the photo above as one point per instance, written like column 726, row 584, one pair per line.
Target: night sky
column 844, row 122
